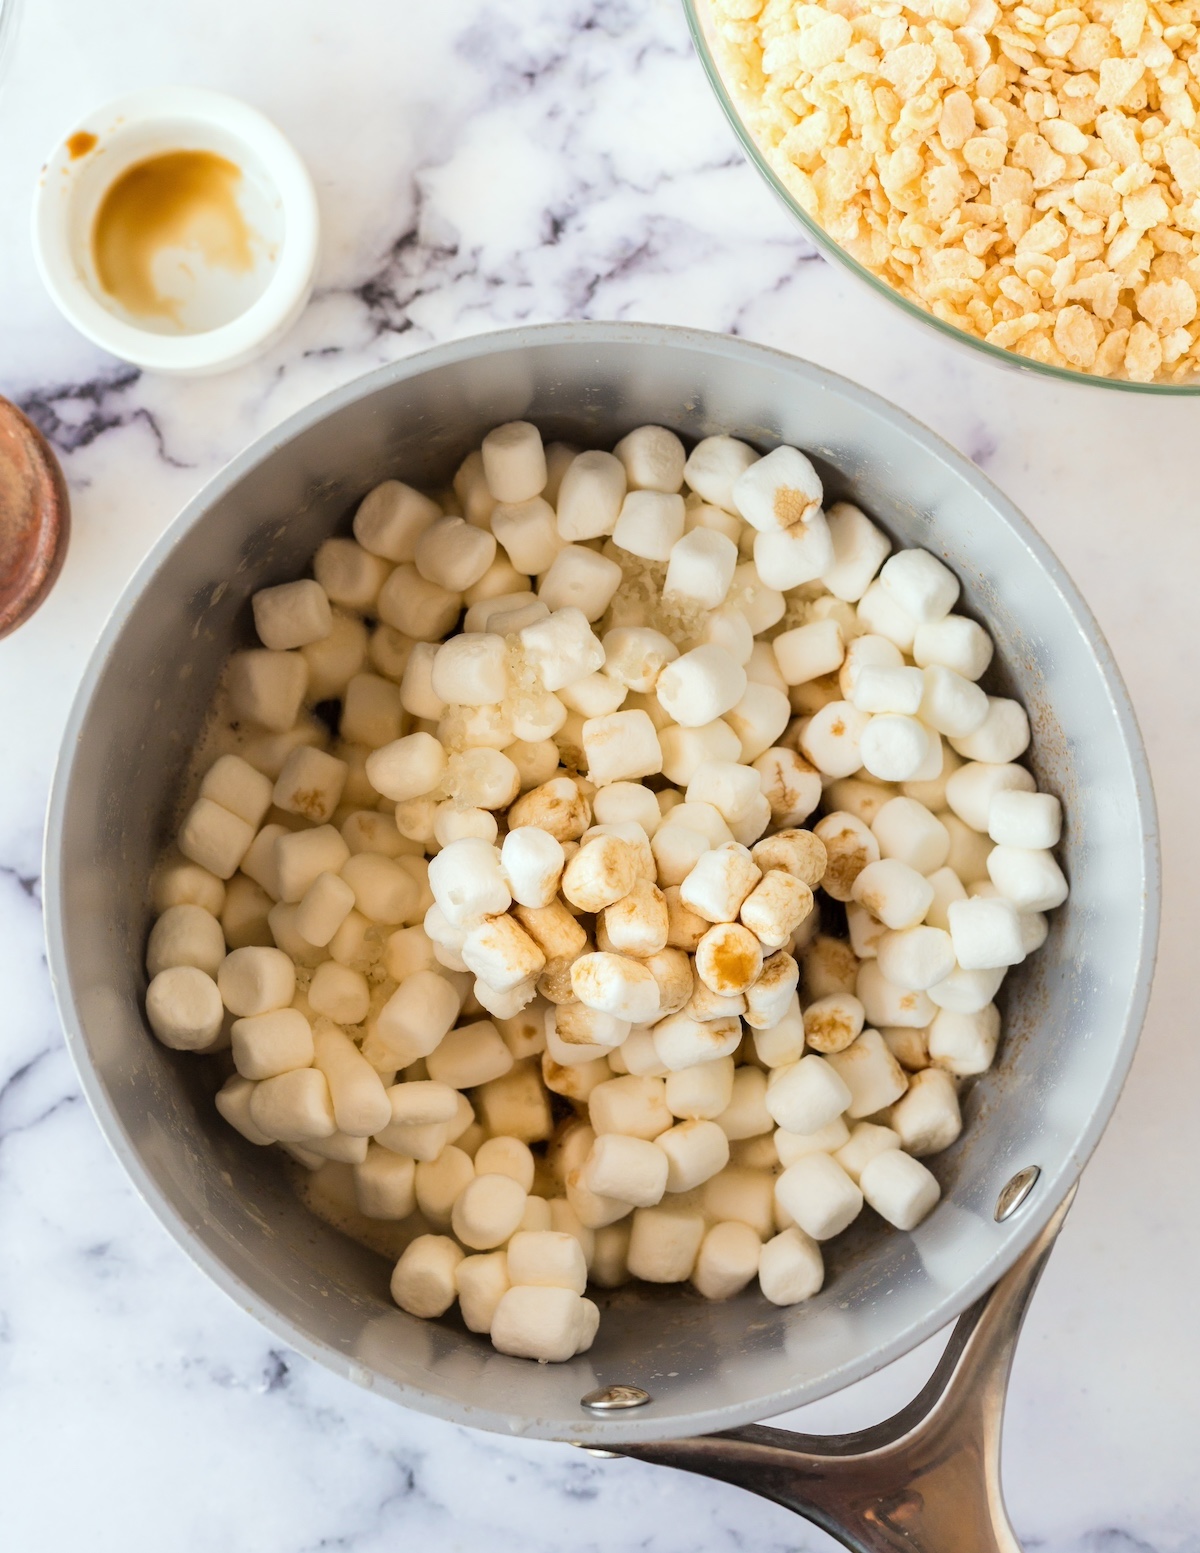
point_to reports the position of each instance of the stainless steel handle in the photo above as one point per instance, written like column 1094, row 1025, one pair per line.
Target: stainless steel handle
column 926, row 1480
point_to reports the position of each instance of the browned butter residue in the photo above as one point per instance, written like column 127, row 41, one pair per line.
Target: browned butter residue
column 180, row 199
column 80, row 143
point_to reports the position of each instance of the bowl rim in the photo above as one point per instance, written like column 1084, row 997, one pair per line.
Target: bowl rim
column 598, row 1430
column 821, row 240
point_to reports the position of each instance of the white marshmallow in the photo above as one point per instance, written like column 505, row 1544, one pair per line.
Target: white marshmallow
column 833, row 1022
column 966, row 992
column 407, row 768
column 338, row 992
column 920, row 584
column 1029, row 878
column 185, row 935
column 880, row 615
column 383, row 890
column 916, row 958
column 1001, row 737
column 952, row 704
column 728, row 627
column 423, row 1279
column 626, row 1169
column 594, row 696
column 947, row 888
column 986, row 933
column 562, row 649
column 413, row 1020
column 744, row 1193
column 372, row 712
column 603, row 870
column 728, row 1259
column 267, row 687
column 900, row 1188
column 758, row 719
column 183, row 1006
column 695, row 1151
column 778, row 1045
column 1023, row 819
column 684, row 750
column 791, row 1146
column 391, row 518
column 291, row 615
column 886, row 688
column 547, row 1259
column 531, row 862
column 293, row 1107
column 832, row 740
column 954, row 642
column 501, row 954
column 547, row 1324
column 863, row 1145
column 528, row 531
column 479, row 779
column 972, row 789
column 791, row 786
column 887, row 1004
column 806, row 1095
column 818, row 1194
column 746, row 1115
column 614, row 984
column 360, row 1102
column 681, row 1041
column 423, row 609
column 590, row 497
column 481, row 1282
column 965, row 1044
column 178, row 882
column 779, row 491
column 453, row 554
column 714, row 466
column 471, row 669
column 867, row 652
column 416, row 688
column 384, row 1184
column 487, row 1211
column 664, row 1243
column 790, row 1268
column 235, row 785
column 849, row 846
column 799, row 555
column 620, row 747
column 215, row 839
column 422, row 1103
column 311, row 784
column 514, row 461
column 652, row 457
column 859, row 550
column 809, row 651
column 726, row 786
column 649, row 524
column 579, row 578
column 450, row 823
column 908, row 833
column 761, row 605
column 719, row 882
column 351, row 577
column 776, row 907
column 700, row 686
column 701, row 567
column 928, row 1118
column 700, row 1093
column 873, row 1076
column 893, row 747
column 637, row 924
column 622, row 802
column 636, row 656
column 256, row 980
column 897, row 894
column 267, row 1044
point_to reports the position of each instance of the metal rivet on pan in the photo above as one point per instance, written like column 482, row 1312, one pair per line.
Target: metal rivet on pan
column 611, row 1399
column 1015, row 1193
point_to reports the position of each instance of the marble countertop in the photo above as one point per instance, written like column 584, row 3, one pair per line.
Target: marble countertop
column 481, row 164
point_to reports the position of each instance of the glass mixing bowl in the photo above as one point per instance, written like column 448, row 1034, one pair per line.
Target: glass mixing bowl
column 702, row 27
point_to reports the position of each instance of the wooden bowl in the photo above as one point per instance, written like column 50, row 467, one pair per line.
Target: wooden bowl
column 35, row 518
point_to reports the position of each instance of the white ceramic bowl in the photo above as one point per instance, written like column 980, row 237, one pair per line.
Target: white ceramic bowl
column 278, row 201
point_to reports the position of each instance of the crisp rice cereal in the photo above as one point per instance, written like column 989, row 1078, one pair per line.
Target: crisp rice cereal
column 1029, row 173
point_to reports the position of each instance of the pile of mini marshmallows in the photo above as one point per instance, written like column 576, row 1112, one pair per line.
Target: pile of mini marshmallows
column 517, row 957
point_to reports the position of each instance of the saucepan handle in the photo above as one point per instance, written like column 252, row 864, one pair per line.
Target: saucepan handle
column 926, row 1480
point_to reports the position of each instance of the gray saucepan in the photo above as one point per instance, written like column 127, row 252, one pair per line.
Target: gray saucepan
column 1072, row 1013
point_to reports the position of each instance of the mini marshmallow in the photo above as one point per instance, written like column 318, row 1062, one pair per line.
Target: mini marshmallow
column 973, row 788
column 727, row 627
column 267, row 687
column 790, row 1268
column 590, row 497
column 758, row 719
column 893, row 747
column 638, row 1056
column 547, row 1259
column 531, row 861
column 700, row 567
column 413, row 1020
column 383, row 890
column 501, row 580
column 965, row 1044
column 908, row 833
column 684, row 750
column 916, row 958
column 1023, row 819
column 389, row 651
column 874, row 653
column 859, row 550
column 487, row 1211
column 291, row 615
column 832, row 741
column 955, row 643
column 779, row 492
column 1001, row 737
column 423, row 1279
column 627, row 1169
column 863, row 1145
column 664, row 1243
column 183, row 1006
column 421, row 608
column 830, row 965
column 310, row 784
column 528, row 531
column 256, row 980
column 416, row 687
column 614, row 984
column 178, row 882
column 553, row 929
column 440, row 1182
column 986, row 934
column 809, row 651
column 818, row 1194
column 244, row 921
column 873, row 1076
column 601, row 872
column 470, row 669
column 719, row 882
column 700, row 686
column 372, row 713
column 807, row 1095
column 1029, row 878
column 501, row 954
column 950, row 703
column 450, row 823
column 638, row 923
column 620, row 747
column 728, row 959
column 453, row 554
column 887, row 1004
column 294, row 1107
column 653, row 459
column 185, row 935
column 895, row 893
column 899, row 1188
column 746, row 1115
column 682, row 1041
column 726, row 786
column 391, row 518
column 649, row 524
column 514, row 461
column 672, row 970
column 636, row 656
column 384, row 1184
column 778, row 1045
column 547, row 1324
column 351, row 577
column 696, row 1150
column 919, row 583
column 791, row 1146
column 966, row 992
column 776, row 907
column 633, row 1105
column 360, row 1103
column 595, row 696
column 213, row 838
column 579, row 578
column 481, row 1282
column 928, row 1118
column 799, row 555
column 969, row 851
column 480, row 779
column 849, row 847
column 887, row 689
column 714, row 466
column 947, row 888
column 744, row 1193
column 834, row 1022
column 701, row 1093
column 563, row 648
column 235, row 785
column 422, row 1103
column 622, row 802
column 881, row 615
column 728, row 1259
